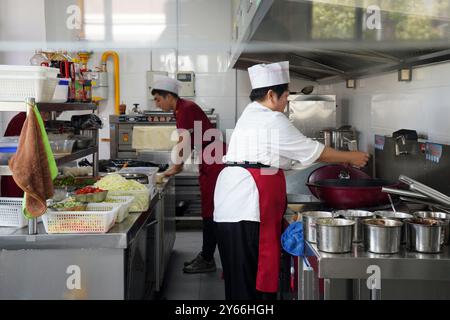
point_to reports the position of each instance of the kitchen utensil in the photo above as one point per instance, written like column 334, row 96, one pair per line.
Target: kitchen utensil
column 350, row 194
column 395, row 215
column 139, row 177
column 425, row 235
column 91, row 197
column 405, row 193
column 334, row 235
column 382, row 235
column 308, row 90
column 426, row 190
column 442, row 216
column 358, row 216
column 309, row 223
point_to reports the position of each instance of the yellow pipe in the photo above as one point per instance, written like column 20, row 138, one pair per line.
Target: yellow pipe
column 115, row 56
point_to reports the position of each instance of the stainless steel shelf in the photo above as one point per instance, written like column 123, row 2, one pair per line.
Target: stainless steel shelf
column 69, row 106
column 76, row 155
column 5, row 171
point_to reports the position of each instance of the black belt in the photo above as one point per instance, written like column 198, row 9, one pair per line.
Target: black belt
column 247, row 164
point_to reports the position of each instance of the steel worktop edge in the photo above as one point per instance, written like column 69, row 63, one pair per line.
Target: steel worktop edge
column 119, row 237
column 405, row 265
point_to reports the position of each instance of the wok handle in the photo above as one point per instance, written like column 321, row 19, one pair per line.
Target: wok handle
column 404, row 193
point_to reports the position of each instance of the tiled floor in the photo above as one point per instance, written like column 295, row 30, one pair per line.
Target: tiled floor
column 181, row 286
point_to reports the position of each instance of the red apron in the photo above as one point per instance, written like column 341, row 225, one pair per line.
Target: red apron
column 207, row 181
column 272, row 205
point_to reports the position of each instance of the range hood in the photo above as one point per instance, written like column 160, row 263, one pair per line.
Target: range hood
column 329, row 40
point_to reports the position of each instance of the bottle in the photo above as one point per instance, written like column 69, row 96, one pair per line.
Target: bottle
column 122, row 108
column 38, row 59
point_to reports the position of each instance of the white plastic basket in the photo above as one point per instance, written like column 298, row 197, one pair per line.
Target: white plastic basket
column 124, row 203
column 11, row 213
column 97, row 219
column 141, row 198
column 20, row 82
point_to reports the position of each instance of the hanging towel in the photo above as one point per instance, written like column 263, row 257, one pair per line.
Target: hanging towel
column 292, row 239
column 33, row 166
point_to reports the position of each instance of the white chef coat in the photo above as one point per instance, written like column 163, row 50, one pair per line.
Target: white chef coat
column 260, row 136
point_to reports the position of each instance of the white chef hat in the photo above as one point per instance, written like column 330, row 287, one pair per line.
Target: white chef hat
column 166, row 84
column 267, row 75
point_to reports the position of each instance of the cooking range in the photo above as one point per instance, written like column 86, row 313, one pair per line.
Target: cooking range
column 413, row 262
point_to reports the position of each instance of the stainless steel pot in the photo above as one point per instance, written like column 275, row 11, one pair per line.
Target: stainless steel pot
column 399, row 216
column 382, row 235
column 442, row 216
column 358, row 216
column 334, row 235
column 425, row 235
column 309, row 223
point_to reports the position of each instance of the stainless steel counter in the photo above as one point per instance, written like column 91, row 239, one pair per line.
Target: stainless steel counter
column 119, row 236
column 405, row 265
column 405, row 275
column 125, row 263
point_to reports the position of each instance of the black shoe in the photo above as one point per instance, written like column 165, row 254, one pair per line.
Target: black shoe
column 200, row 266
column 186, row 263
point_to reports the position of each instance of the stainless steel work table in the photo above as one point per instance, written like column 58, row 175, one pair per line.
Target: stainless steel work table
column 405, row 275
column 119, row 236
column 404, row 265
column 124, row 263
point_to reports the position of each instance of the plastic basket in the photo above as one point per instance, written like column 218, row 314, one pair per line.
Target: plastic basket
column 124, row 203
column 11, row 213
column 141, row 198
column 97, row 219
column 20, row 82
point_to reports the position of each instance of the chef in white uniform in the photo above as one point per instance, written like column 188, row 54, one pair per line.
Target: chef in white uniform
column 250, row 193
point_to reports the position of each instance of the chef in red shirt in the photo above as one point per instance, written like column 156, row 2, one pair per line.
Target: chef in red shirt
column 193, row 124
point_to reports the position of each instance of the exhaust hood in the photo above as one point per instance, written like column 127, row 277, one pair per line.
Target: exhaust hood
column 330, row 40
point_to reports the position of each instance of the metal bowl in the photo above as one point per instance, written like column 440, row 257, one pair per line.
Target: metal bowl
column 91, row 197
column 139, row 177
column 309, row 223
column 395, row 215
column 334, row 235
column 382, row 235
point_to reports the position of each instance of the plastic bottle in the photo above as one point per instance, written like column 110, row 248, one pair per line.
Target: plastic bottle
column 38, row 59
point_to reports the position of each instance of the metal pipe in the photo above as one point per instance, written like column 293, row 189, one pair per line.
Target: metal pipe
column 32, row 223
column 32, row 226
column 404, row 193
column 430, row 192
column 115, row 57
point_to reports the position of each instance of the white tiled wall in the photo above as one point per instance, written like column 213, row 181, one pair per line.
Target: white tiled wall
column 382, row 104
column 21, row 28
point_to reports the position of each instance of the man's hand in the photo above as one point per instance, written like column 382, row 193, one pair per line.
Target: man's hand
column 358, row 159
column 173, row 170
column 355, row 158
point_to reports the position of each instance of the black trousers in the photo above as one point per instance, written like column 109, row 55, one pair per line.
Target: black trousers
column 209, row 238
column 238, row 247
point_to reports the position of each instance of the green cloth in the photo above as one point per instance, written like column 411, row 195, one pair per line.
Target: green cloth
column 50, row 157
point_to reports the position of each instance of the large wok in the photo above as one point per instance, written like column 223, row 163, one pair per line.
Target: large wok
column 355, row 191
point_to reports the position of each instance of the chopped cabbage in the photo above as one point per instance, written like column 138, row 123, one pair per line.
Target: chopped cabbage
column 117, row 182
column 119, row 186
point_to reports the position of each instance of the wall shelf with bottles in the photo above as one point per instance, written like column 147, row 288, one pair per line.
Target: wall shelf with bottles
column 67, row 106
